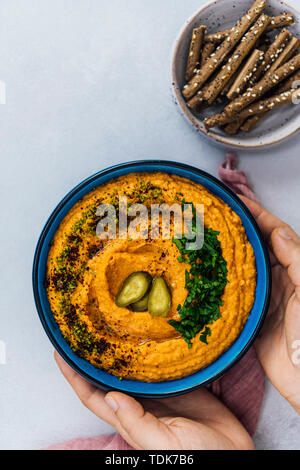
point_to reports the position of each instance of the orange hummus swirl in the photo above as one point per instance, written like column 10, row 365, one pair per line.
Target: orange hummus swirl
column 84, row 275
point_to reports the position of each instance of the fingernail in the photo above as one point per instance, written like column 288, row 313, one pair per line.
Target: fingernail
column 112, row 403
column 284, row 233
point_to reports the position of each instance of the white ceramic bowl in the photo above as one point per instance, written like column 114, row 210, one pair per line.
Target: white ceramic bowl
column 219, row 15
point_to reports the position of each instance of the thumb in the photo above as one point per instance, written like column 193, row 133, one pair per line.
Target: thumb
column 143, row 428
column 286, row 247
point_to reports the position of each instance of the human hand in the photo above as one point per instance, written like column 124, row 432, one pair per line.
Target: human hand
column 194, row 421
column 278, row 346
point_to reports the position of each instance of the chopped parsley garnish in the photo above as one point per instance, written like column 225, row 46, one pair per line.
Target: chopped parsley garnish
column 205, row 283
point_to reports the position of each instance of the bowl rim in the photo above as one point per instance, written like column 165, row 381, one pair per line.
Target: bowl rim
column 157, row 166
column 188, row 115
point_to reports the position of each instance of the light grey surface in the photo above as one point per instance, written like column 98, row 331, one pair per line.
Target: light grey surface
column 88, row 85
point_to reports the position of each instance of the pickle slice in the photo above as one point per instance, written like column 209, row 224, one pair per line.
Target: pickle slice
column 133, row 289
column 141, row 305
column 159, row 302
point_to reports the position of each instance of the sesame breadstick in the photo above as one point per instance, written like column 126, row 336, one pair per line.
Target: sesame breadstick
column 229, row 84
column 268, row 82
column 245, row 75
column 271, row 103
column 271, row 54
column 252, row 122
column 195, row 102
column 207, row 50
column 286, row 54
column 195, row 52
column 236, row 58
column 276, row 23
column 219, row 120
column 224, row 49
column 258, row 108
column 286, row 86
column 198, row 98
column 280, row 21
column 217, row 38
column 233, row 127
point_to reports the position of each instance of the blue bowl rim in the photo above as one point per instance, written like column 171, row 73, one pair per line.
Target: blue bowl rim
column 159, row 164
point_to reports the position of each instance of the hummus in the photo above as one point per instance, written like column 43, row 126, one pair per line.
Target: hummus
column 85, row 274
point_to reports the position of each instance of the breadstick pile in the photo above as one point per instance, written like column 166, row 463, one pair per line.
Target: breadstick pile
column 254, row 73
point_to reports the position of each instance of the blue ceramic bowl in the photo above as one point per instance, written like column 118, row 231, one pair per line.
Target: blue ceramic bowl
column 224, row 362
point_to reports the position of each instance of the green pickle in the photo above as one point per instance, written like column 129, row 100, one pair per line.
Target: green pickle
column 141, row 305
column 133, row 289
column 159, row 302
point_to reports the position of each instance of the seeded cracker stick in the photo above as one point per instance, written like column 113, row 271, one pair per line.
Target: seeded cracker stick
column 271, row 103
column 224, row 49
column 195, row 52
column 207, row 50
column 233, row 127
column 217, row 38
column 258, row 108
column 236, row 59
column 288, row 84
column 229, row 83
column 286, row 54
column 196, row 102
column 276, row 23
column 271, row 54
column 252, row 122
column 198, row 99
column 218, row 120
column 245, row 75
column 268, row 82
column 280, row 21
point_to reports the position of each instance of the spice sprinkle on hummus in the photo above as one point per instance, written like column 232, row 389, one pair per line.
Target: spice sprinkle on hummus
column 86, row 275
